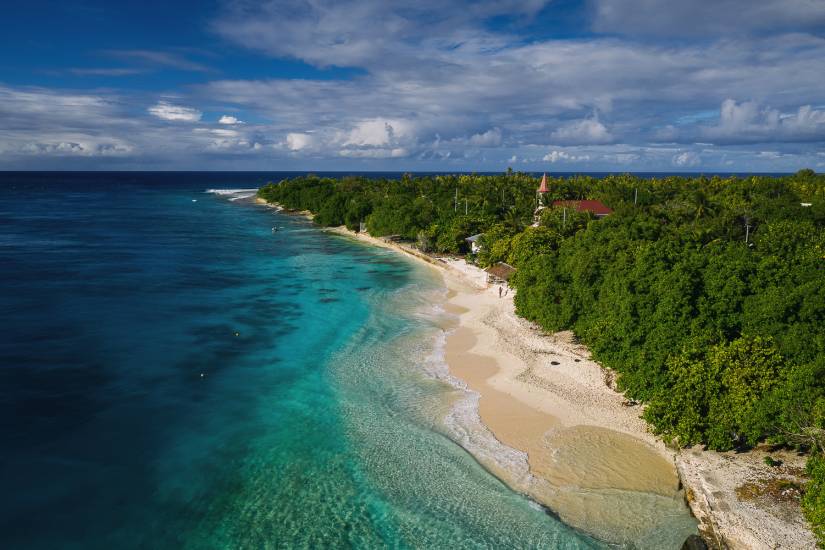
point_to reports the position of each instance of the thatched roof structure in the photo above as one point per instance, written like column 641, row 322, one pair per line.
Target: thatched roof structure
column 500, row 271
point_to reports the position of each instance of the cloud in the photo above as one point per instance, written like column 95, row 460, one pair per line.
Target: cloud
column 706, row 17
column 463, row 86
column 54, row 129
column 562, row 156
column 586, row 131
column 771, row 155
column 379, row 153
column 86, row 148
column 298, row 142
column 490, row 138
column 220, row 132
column 227, row 119
column 686, row 159
column 622, row 158
column 344, row 32
column 378, row 132
column 158, row 59
column 450, row 75
column 46, row 123
column 106, row 71
column 166, row 111
column 750, row 122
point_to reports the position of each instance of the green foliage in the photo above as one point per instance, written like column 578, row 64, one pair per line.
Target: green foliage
column 813, row 501
column 450, row 236
column 495, row 245
column 770, row 461
column 565, row 221
column 532, row 242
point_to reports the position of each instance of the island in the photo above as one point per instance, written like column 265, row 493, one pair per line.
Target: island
column 685, row 313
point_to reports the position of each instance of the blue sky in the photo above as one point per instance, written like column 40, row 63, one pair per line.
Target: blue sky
column 600, row 85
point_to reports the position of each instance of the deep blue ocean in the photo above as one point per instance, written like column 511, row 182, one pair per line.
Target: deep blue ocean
column 176, row 374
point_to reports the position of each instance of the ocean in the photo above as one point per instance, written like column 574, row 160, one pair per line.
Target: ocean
column 174, row 373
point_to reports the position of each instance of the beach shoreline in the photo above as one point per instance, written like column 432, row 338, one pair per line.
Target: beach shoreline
column 542, row 397
column 615, row 477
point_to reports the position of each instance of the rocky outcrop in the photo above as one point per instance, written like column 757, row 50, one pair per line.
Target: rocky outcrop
column 741, row 502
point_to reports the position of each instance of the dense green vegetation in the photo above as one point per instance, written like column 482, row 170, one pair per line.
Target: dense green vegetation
column 705, row 295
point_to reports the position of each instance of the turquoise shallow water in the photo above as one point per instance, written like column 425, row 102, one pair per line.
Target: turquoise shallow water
column 176, row 374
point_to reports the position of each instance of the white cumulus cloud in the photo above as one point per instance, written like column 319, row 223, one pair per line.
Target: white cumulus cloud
column 378, row 132
column 563, row 156
column 490, row 138
column 749, row 121
column 585, row 131
column 227, row 119
column 687, row 158
column 166, row 111
column 297, row 141
column 374, row 153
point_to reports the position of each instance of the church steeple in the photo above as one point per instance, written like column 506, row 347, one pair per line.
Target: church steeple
column 543, row 187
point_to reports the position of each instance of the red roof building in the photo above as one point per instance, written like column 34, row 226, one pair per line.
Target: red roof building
column 594, row 207
column 543, row 187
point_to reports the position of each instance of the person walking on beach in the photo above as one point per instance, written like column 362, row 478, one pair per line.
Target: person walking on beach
column 499, row 291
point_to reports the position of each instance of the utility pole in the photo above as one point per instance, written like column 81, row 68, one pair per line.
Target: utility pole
column 635, row 196
column 465, row 207
column 455, row 203
column 747, row 231
column 564, row 219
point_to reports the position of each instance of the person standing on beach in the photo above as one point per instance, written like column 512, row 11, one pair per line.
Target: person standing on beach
column 499, row 291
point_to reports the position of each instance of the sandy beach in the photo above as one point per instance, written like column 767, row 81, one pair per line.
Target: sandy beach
column 590, row 459
column 563, row 436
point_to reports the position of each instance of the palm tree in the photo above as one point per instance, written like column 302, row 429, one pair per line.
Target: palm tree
column 701, row 205
column 513, row 220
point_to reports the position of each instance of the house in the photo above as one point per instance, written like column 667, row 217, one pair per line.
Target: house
column 596, row 208
column 499, row 273
column 475, row 243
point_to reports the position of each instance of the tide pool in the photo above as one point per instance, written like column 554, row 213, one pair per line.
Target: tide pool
column 174, row 373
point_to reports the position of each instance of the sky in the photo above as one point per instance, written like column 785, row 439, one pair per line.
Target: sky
column 536, row 85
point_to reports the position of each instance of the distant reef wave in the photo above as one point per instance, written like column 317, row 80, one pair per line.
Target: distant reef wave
column 234, row 194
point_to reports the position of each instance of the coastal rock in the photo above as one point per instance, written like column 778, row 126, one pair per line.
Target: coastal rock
column 722, row 492
column 694, row 542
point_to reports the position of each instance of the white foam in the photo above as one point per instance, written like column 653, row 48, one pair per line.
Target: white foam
column 234, row 194
column 464, row 425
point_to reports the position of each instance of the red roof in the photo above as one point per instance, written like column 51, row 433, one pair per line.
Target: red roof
column 596, row 207
column 543, row 187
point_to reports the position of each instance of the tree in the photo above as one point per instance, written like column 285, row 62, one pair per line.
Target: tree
column 533, row 241
column 716, row 398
